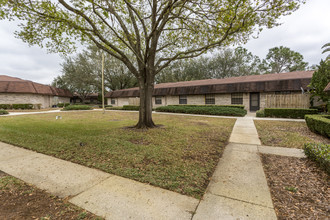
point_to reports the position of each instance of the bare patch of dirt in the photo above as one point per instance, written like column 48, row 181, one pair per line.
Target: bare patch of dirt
column 22, row 201
column 299, row 188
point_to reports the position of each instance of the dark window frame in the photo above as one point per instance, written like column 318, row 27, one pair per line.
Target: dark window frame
column 237, row 98
column 158, row 100
column 183, row 99
column 113, row 101
column 209, row 99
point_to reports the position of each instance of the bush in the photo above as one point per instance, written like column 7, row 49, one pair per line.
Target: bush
column 260, row 113
column 131, row 107
column 319, row 153
column 77, row 107
column 105, row 106
column 3, row 112
column 114, row 108
column 288, row 112
column 61, row 105
column 22, row 106
column 6, row 106
column 319, row 124
column 204, row 110
column 230, row 106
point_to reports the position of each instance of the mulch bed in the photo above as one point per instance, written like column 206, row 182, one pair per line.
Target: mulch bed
column 299, row 188
column 19, row 200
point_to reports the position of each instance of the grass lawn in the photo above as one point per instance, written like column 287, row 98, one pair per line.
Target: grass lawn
column 287, row 134
column 180, row 156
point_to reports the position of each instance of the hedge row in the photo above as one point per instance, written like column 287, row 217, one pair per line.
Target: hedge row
column 131, row 107
column 19, row 106
column 319, row 153
column 213, row 106
column 288, row 112
column 3, row 112
column 77, row 107
column 319, row 124
column 60, row 105
column 105, row 106
column 203, row 110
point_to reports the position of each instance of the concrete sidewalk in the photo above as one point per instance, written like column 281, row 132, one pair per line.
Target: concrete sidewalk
column 101, row 193
column 238, row 188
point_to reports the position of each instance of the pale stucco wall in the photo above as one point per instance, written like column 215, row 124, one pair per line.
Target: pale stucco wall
column 46, row 101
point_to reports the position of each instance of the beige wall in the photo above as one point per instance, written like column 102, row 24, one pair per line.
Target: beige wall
column 220, row 99
column 46, row 101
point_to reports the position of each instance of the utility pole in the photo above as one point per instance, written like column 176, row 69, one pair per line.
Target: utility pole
column 103, row 83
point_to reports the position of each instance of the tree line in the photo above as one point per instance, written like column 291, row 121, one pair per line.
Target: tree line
column 81, row 74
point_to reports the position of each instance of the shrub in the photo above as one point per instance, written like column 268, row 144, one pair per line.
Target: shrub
column 22, row 106
column 204, row 110
column 131, row 107
column 61, row 105
column 114, row 108
column 288, row 112
column 260, row 113
column 319, row 124
column 230, row 106
column 105, row 106
column 6, row 106
column 319, row 153
column 3, row 112
column 77, row 107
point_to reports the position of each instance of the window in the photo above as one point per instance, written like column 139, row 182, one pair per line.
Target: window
column 158, row 100
column 237, row 98
column 282, row 92
column 182, row 99
column 209, row 99
column 113, row 101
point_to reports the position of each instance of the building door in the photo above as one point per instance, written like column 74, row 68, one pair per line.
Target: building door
column 254, row 101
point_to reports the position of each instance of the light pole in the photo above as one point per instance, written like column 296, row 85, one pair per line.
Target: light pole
column 103, row 83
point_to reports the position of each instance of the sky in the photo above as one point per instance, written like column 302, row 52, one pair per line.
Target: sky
column 304, row 31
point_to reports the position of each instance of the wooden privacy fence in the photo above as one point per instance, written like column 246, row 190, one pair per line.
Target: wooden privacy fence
column 287, row 101
column 134, row 101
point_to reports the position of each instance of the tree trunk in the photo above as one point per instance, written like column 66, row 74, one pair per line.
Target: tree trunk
column 145, row 114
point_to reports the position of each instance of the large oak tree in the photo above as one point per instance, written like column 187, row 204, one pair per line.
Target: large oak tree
column 146, row 35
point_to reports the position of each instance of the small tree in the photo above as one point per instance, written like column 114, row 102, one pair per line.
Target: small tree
column 146, row 36
column 320, row 80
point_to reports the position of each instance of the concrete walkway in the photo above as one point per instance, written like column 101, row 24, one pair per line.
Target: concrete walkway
column 101, row 193
column 238, row 188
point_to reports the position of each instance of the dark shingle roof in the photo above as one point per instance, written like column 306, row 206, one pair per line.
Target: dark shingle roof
column 253, row 83
column 10, row 84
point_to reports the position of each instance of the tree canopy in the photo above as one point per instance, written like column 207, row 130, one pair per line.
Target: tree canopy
column 145, row 35
column 81, row 74
column 320, row 80
column 225, row 63
column 283, row 59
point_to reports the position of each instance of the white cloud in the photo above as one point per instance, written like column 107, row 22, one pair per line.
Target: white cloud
column 304, row 31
